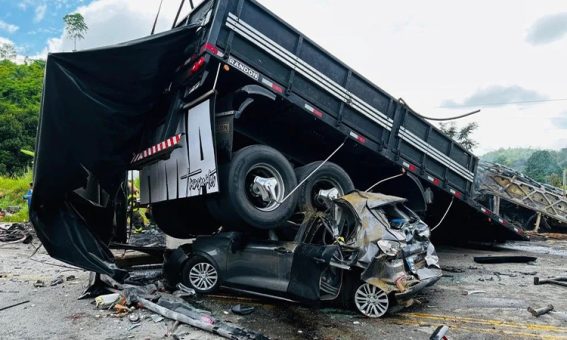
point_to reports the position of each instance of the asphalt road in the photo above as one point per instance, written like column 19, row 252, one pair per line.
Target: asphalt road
column 476, row 301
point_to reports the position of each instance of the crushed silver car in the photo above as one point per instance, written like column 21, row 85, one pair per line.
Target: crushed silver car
column 378, row 254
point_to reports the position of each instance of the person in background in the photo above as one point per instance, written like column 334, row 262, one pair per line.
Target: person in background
column 134, row 209
column 28, row 195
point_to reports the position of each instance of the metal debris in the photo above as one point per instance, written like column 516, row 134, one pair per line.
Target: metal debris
column 504, row 259
column 242, row 310
column 560, row 281
column 537, row 312
column 57, row 281
column 13, row 305
column 38, row 284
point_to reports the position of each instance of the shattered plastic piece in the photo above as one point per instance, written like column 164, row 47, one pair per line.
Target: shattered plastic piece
column 134, row 326
column 242, row 310
column 156, row 318
column 39, row 283
column 134, row 318
column 106, row 301
column 537, row 312
column 472, row 292
column 440, row 333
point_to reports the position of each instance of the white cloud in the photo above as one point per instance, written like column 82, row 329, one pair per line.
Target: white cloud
column 6, row 41
column 4, row 26
column 40, row 13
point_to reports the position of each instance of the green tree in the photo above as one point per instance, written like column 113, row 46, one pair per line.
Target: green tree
column 461, row 135
column 75, row 27
column 20, row 96
column 7, row 51
column 541, row 165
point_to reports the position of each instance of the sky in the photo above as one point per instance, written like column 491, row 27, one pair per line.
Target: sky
column 443, row 57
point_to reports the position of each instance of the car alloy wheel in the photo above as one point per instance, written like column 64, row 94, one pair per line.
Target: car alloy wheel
column 371, row 300
column 203, row 276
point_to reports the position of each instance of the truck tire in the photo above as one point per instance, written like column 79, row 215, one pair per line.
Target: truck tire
column 329, row 176
column 240, row 204
column 184, row 218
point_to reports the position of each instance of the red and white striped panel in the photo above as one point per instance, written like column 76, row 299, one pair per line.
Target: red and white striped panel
column 152, row 150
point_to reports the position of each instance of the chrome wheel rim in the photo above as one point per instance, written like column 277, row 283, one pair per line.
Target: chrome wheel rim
column 267, row 171
column 203, row 276
column 371, row 300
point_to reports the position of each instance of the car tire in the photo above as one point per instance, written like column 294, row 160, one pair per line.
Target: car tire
column 347, row 298
column 201, row 275
column 237, row 205
column 328, row 176
column 370, row 300
column 184, row 218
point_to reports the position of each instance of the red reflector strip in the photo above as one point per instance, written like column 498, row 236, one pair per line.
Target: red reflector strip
column 409, row 166
column 456, row 193
column 435, row 181
column 168, row 143
column 272, row 85
column 211, row 48
column 277, row 88
column 359, row 138
column 197, row 65
column 314, row 111
column 486, row 211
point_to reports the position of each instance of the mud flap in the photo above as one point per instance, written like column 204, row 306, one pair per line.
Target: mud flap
column 309, row 262
column 191, row 169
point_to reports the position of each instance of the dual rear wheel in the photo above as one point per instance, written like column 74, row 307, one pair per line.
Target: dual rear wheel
column 255, row 191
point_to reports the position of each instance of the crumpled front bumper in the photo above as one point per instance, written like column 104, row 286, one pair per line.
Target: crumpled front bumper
column 413, row 290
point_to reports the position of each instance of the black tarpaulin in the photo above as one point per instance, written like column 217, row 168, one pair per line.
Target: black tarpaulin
column 95, row 104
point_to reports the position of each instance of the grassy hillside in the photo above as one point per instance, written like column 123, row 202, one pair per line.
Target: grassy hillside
column 11, row 191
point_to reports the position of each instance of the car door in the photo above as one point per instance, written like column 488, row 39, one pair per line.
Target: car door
column 263, row 265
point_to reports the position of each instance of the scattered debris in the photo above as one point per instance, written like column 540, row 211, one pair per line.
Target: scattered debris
column 504, row 259
column 453, row 269
column 356, row 322
column 156, row 318
column 472, row 292
column 537, row 312
column 57, row 281
column 16, row 233
column 560, row 281
column 134, row 318
column 38, row 284
column 242, row 310
column 207, row 323
column 13, row 305
column 136, row 325
column 107, row 301
column 440, row 333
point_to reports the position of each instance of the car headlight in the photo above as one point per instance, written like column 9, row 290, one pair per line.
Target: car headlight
column 390, row 248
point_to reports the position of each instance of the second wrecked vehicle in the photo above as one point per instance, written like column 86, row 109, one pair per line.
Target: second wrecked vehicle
column 378, row 256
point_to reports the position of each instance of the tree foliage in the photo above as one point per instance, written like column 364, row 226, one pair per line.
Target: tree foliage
column 20, row 97
column 541, row 166
column 75, row 27
column 7, row 51
column 461, row 135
